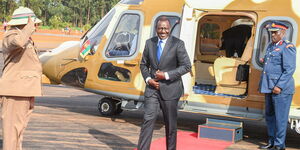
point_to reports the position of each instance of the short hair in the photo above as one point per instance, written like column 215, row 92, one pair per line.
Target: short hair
column 163, row 18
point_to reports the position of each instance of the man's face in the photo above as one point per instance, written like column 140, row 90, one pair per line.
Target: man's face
column 163, row 29
column 277, row 35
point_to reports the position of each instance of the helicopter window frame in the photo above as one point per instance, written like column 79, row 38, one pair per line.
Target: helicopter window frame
column 96, row 33
column 132, row 2
column 175, row 29
column 260, row 48
column 136, row 37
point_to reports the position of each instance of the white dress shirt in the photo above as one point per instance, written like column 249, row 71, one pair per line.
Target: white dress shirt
column 164, row 41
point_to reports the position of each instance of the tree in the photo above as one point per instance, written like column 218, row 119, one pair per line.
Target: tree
column 79, row 13
column 6, row 9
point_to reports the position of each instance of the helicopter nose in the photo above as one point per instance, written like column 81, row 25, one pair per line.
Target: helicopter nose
column 44, row 57
column 51, row 60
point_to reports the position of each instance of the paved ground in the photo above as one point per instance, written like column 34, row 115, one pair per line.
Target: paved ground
column 67, row 119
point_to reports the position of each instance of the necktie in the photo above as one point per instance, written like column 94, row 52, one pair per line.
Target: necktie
column 159, row 50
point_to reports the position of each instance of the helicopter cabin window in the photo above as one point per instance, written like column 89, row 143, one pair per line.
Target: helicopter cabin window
column 125, row 38
column 209, row 39
column 265, row 39
column 94, row 35
column 108, row 71
column 175, row 25
column 220, row 44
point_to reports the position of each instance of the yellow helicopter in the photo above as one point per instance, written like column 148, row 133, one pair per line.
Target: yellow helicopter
column 220, row 36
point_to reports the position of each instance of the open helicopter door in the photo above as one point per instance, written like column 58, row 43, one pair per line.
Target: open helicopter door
column 218, row 44
column 187, row 35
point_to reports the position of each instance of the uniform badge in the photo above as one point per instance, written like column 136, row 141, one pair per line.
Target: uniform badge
column 277, row 49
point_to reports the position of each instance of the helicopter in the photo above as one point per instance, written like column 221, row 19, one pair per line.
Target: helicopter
column 220, row 37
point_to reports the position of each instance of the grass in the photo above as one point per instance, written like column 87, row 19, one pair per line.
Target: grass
column 50, row 28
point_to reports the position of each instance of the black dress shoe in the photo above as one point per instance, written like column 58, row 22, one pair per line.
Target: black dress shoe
column 277, row 148
column 269, row 146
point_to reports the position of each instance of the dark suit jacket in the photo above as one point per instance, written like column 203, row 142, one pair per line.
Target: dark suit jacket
column 174, row 60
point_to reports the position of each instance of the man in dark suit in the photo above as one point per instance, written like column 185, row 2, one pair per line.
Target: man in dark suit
column 278, row 84
column 164, row 61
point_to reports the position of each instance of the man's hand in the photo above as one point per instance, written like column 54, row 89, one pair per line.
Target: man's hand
column 261, row 60
column 276, row 90
column 154, row 83
column 30, row 23
column 107, row 53
column 159, row 75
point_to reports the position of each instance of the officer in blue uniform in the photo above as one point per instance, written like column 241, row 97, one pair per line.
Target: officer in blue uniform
column 278, row 84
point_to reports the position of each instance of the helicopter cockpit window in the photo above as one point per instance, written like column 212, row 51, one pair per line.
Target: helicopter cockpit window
column 265, row 39
column 125, row 38
column 95, row 34
column 131, row 2
column 175, row 27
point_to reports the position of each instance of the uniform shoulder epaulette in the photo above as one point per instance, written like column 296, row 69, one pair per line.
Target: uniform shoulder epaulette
column 289, row 45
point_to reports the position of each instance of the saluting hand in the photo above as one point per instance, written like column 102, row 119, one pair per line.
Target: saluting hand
column 154, row 83
column 30, row 23
column 276, row 90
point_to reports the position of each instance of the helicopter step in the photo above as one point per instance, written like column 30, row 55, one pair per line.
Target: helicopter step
column 235, row 112
column 131, row 105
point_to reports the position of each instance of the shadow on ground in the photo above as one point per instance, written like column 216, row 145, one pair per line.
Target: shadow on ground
column 113, row 141
column 87, row 105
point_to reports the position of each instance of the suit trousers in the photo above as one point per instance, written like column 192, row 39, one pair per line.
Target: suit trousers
column 277, row 112
column 152, row 108
column 15, row 116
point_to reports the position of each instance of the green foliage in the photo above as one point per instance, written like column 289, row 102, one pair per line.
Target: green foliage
column 65, row 24
column 44, row 27
column 86, row 27
column 61, row 13
column 55, row 22
column 210, row 31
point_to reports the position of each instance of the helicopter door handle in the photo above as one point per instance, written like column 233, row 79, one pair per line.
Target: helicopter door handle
column 71, row 59
column 131, row 62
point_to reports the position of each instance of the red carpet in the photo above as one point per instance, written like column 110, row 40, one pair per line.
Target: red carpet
column 189, row 141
